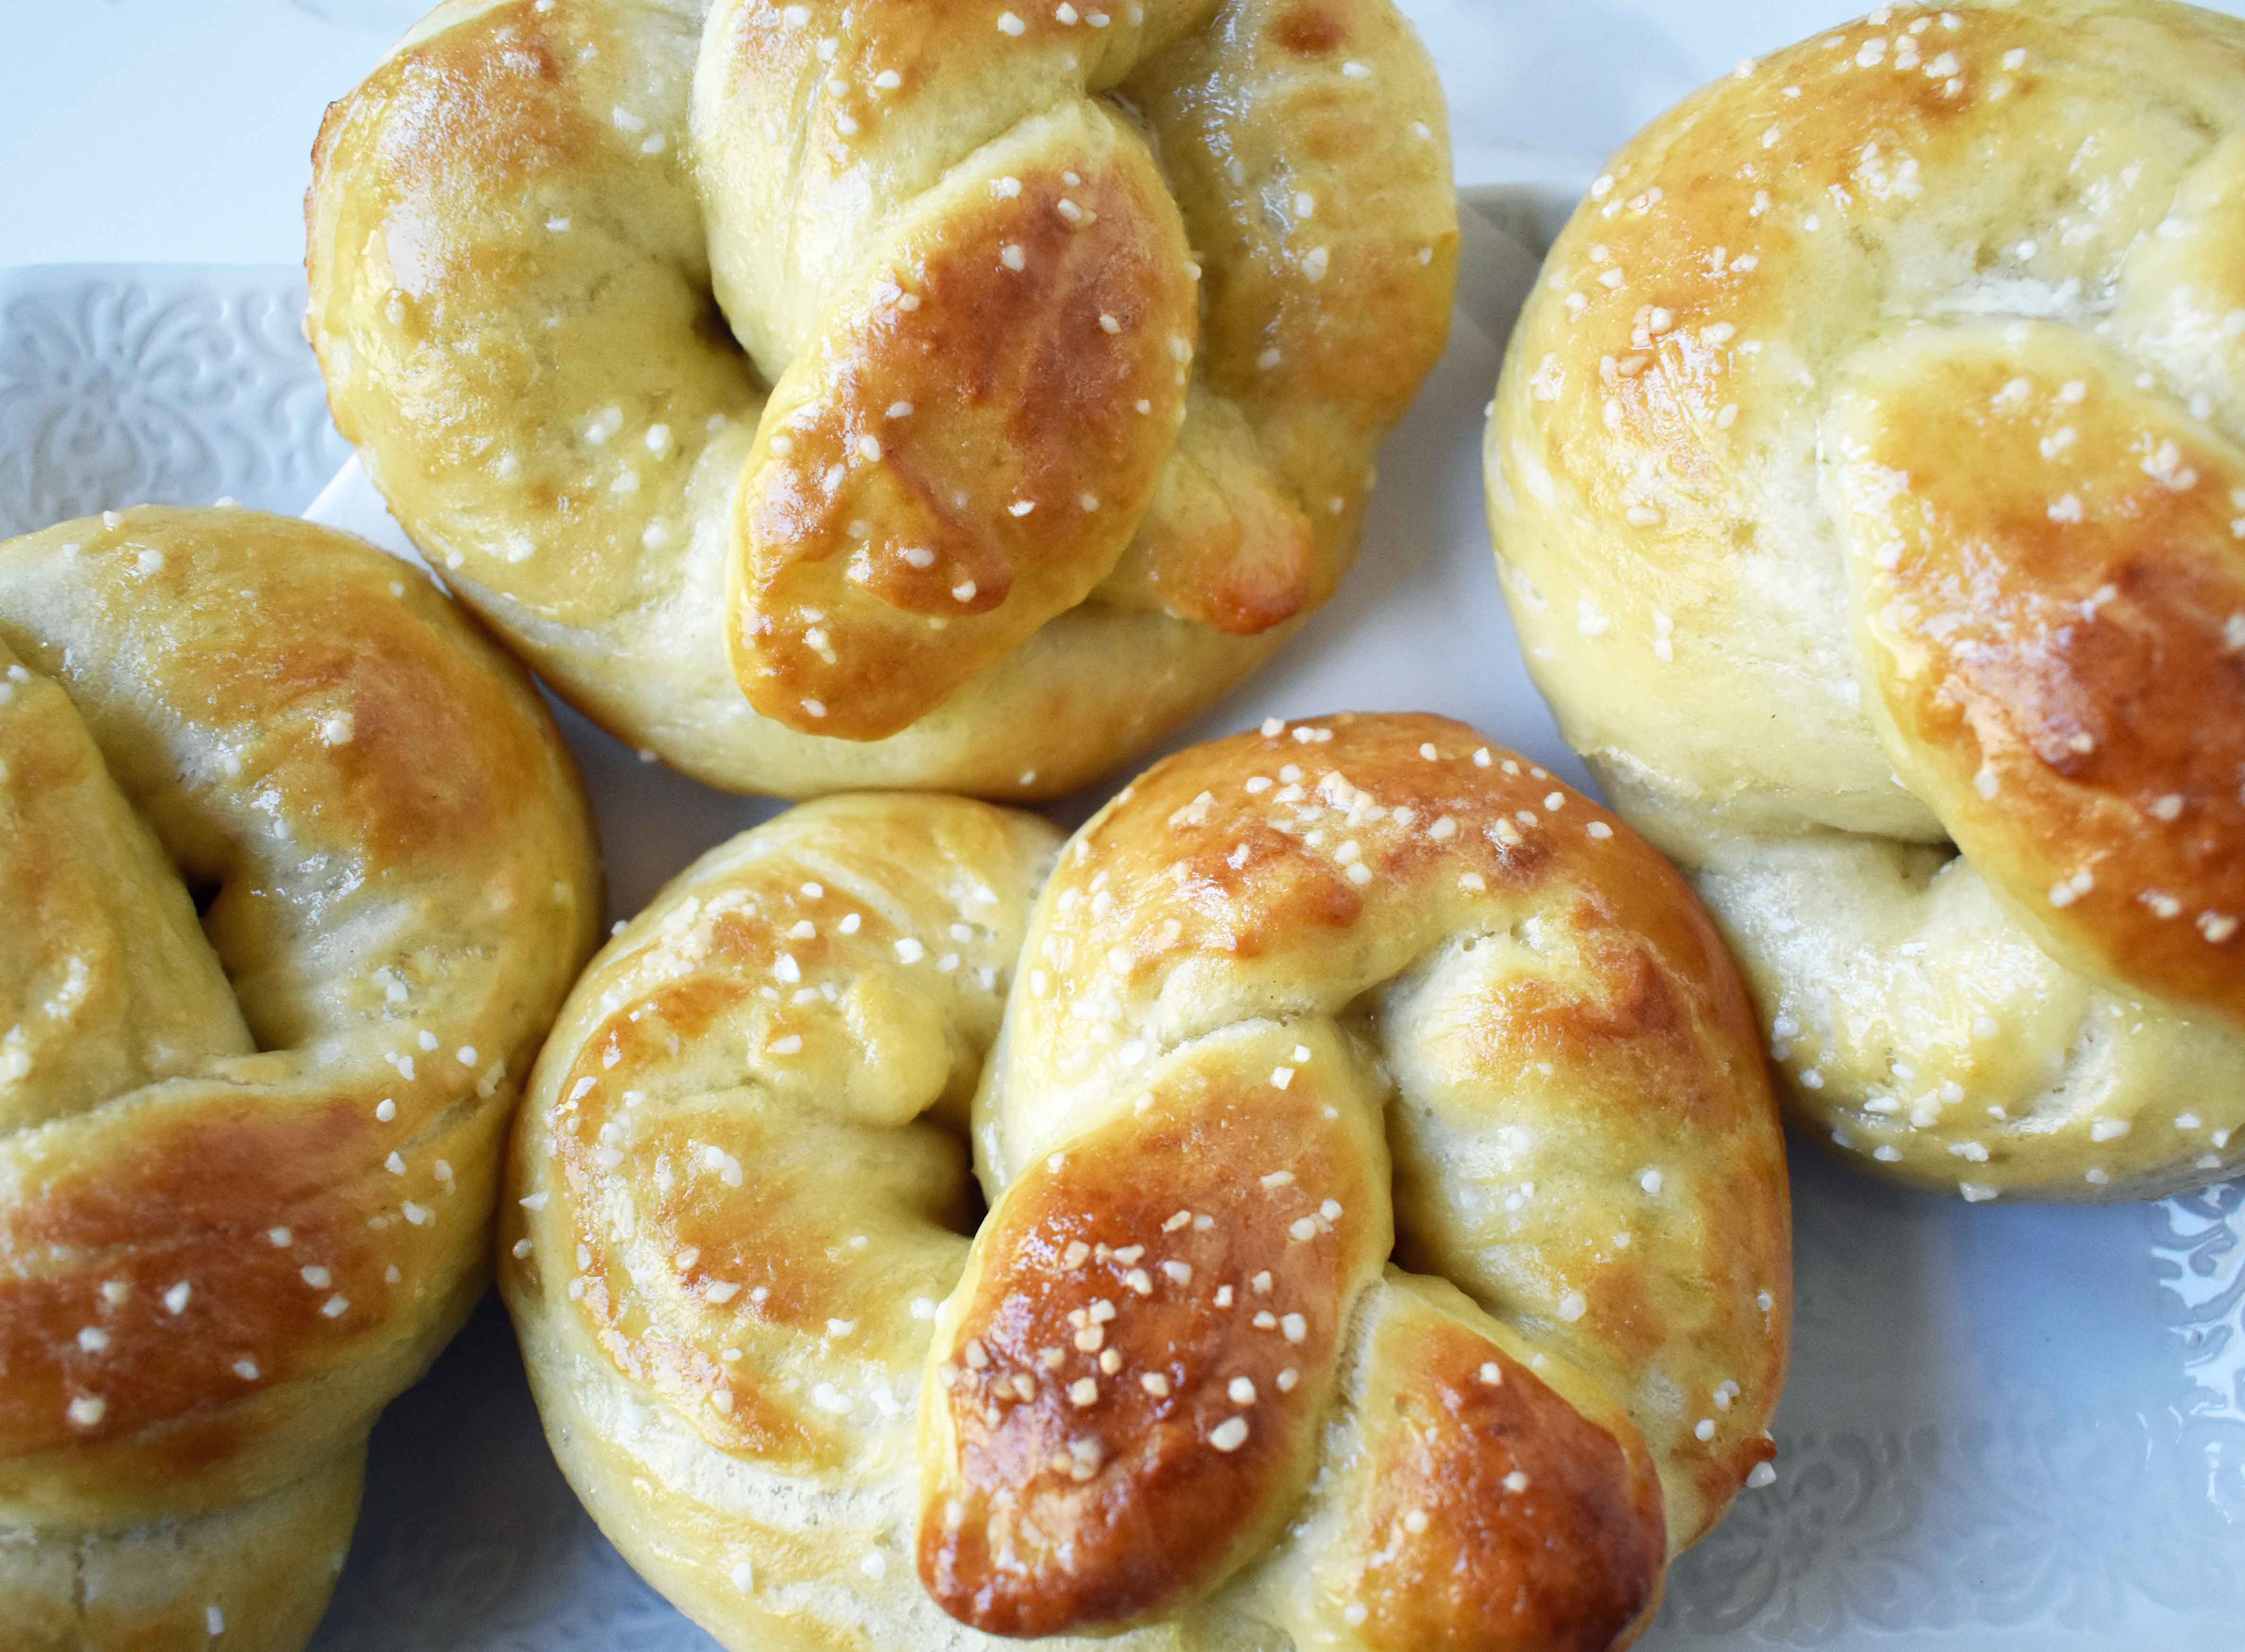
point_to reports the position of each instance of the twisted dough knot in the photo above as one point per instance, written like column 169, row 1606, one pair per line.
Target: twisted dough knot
column 1081, row 329
column 247, row 1159
column 1868, row 481
column 1291, row 1002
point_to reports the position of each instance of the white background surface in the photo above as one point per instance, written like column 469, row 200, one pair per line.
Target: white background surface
column 180, row 130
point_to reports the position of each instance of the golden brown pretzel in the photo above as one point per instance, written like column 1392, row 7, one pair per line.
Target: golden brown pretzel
column 1867, row 477
column 1066, row 337
column 1171, row 1385
column 248, row 1158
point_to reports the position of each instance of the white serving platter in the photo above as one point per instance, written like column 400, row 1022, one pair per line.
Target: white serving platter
column 2007, row 1427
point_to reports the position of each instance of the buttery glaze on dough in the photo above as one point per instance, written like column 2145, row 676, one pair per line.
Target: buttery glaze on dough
column 295, row 872
column 828, row 396
column 1294, row 1002
column 1867, row 484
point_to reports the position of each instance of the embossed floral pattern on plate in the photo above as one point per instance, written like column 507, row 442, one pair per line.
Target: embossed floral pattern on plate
column 129, row 384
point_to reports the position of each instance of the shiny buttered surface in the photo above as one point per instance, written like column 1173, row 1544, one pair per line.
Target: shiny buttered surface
column 1867, row 483
column 829, row 395
column 1338, row 1204
column 295, row 872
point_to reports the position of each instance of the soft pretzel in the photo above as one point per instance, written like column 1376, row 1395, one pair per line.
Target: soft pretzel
column 295, row 871
column 1866, row 480
column 1067, row 337
column 1292, row 1001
